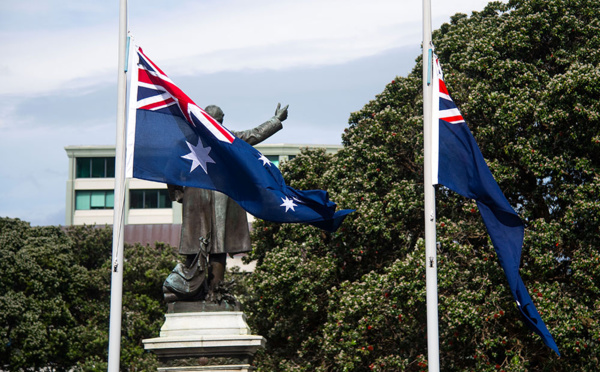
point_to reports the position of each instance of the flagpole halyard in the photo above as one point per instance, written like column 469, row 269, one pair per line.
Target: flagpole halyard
column 433, row 359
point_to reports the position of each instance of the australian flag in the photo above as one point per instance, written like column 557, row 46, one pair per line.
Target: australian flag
column 172, row 140
column 461, row 168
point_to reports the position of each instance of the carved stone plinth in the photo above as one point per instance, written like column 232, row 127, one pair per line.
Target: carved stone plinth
column 215, row 340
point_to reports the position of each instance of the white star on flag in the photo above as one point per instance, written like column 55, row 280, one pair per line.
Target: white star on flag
column 264, row 160
column 199, row 156
column 288, row 204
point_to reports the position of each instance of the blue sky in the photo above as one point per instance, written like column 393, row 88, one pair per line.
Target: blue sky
column 58, row 72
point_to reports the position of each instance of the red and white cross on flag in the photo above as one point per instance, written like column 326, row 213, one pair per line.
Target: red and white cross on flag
column 156, row 91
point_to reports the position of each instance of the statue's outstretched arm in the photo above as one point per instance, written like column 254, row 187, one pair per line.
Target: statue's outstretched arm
column 266, row 129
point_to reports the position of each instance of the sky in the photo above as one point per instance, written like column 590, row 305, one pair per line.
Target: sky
column 58, row 72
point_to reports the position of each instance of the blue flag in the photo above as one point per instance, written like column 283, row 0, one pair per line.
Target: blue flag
column 462, row 168
column 172, row 140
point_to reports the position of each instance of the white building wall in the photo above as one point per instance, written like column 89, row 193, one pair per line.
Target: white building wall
column 93, row 217
column 150, row 216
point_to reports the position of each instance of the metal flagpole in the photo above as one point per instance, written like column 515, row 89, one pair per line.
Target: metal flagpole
column 116, row 286
column 433, row 359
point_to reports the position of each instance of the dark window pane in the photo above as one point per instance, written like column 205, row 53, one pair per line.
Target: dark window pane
column 98, row 167
column 110, row 167
column 83, row 166
column 136, row 199
column 95, row 167
column 163, row 199
column 151, row 199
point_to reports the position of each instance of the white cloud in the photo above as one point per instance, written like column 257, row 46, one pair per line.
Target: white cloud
column 38, row 62
column 208, row 36
column 275, row 34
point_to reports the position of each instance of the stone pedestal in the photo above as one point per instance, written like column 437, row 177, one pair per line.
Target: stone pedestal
column 204, row 337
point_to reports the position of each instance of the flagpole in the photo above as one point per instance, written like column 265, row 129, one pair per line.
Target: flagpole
column 116, row 287
column 433, row 360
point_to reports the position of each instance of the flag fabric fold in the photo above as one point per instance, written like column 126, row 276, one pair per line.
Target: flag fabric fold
column 460, row 166
column 172, row 140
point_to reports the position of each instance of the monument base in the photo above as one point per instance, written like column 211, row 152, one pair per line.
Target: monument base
column 215, row 340
column 229, row 368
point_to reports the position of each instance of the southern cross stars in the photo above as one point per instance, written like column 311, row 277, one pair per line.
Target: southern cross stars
column 288, row 204
column 199, row 156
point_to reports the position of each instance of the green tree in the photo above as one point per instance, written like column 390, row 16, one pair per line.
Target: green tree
column 55, row 298
column 526, row 76
column 38, row 282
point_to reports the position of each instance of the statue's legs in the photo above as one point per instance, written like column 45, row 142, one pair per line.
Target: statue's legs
column 218, row 263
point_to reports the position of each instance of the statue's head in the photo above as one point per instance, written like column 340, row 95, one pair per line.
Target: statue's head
column 215, row 112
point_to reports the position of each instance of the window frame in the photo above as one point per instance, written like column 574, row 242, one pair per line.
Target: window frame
column 84, row 200
column 96, row 167
column 143, row 199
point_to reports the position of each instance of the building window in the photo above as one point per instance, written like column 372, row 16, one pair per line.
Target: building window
column 95, row 167
column 274, row 159
column 94, row 199
column 140, row 199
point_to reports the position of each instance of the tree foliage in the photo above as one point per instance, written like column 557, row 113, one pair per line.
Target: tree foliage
column 55, row 298
column 526, row 77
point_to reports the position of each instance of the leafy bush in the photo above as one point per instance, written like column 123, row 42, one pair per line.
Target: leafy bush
column 55, row 298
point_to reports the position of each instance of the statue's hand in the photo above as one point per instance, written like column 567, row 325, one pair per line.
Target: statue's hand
column 281, row 113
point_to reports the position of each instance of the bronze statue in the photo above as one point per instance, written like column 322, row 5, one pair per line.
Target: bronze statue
column 213, row 226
